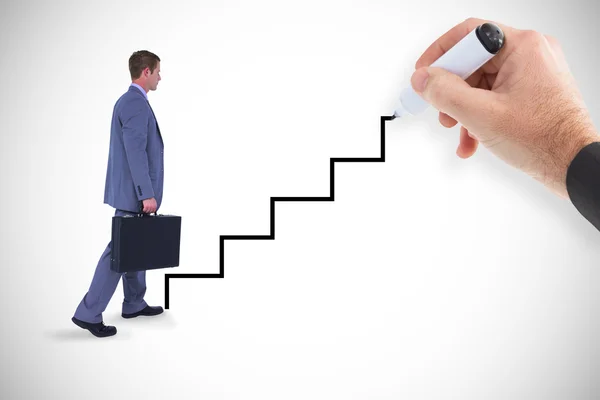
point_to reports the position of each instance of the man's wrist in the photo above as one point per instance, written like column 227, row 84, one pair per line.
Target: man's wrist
column 563, row 153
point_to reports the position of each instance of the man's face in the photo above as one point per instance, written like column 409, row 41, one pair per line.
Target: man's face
column 154, row 78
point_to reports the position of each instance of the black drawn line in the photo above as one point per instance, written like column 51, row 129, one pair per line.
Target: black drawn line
column 271, row 235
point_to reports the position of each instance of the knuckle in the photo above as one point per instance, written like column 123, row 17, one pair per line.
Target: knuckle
column 551, row 39
column 471, row 21
column 553, row 42
column 434, row 89
column 532, row 37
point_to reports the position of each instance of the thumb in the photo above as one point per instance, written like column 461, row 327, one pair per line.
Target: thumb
column 451, row 95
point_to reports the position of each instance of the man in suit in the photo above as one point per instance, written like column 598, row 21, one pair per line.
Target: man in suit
column 134, row 176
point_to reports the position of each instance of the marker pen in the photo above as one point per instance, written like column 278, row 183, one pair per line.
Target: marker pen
column 464, row 58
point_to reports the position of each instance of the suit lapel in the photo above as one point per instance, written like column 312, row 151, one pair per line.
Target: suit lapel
column 157, row 127
column 134, row 89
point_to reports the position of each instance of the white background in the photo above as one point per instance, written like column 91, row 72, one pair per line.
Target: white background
column 429, row 277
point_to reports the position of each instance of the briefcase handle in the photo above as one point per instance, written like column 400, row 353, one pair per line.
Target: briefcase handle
column 141, row 212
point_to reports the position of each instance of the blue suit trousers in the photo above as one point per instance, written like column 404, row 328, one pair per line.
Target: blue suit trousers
column 104, row 284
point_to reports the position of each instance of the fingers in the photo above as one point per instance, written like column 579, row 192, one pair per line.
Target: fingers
column 453, row 96
column 467, row 145
column 447, row 41
column 454, row 35
column 149, row 206
column 478, row 80
column 447, row 121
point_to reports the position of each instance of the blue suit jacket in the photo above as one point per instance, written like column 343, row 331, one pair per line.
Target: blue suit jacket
column 136, row 158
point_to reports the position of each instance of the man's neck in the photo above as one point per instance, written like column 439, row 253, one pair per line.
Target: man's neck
column 141, row 84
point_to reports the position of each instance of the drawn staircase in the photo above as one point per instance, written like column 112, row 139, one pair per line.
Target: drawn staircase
column 271, row 235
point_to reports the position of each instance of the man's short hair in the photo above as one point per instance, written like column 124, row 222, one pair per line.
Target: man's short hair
column 141, row 60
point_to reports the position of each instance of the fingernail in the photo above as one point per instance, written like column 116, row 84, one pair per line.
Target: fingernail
column 419, row 80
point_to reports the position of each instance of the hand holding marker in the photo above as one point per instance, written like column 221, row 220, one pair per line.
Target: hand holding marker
column 519, row 99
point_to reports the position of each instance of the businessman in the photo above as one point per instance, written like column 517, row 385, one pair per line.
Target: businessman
column 134, row 176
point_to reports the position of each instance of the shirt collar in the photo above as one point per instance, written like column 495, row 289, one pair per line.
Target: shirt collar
column 141, row 90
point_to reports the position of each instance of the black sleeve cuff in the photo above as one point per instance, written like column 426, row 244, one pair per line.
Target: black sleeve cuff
column 583, row 183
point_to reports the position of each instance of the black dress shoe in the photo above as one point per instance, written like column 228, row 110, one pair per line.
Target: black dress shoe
column 98, row 329
column 148, row 311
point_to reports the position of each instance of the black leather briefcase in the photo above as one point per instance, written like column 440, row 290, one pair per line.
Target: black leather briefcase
column 144, row 241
